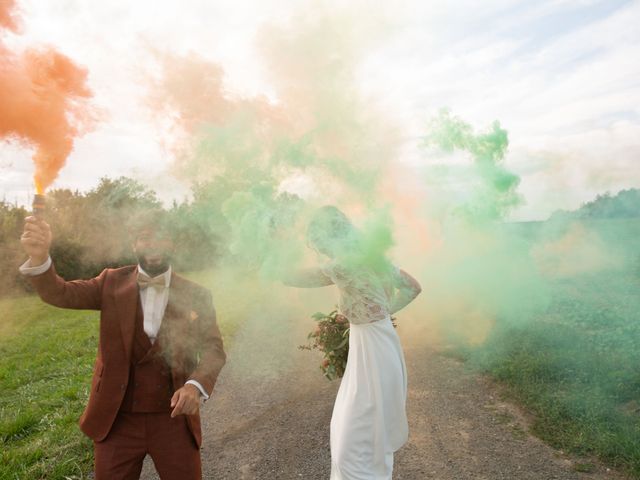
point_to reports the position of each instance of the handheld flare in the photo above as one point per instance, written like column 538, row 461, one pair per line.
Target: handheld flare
column 38, row 205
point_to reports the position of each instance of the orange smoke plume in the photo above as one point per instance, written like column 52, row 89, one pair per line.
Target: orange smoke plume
column 7, row 16
column 43, row 102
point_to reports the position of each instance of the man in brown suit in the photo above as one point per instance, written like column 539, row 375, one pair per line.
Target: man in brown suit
column 159, row 354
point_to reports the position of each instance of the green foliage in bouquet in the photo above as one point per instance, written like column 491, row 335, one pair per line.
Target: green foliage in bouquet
column 331, row 337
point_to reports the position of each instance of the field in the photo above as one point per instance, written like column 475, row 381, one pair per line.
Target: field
column 47, row 358
column 576, row 366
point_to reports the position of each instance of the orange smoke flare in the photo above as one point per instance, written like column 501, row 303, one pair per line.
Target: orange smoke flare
column 43, row 102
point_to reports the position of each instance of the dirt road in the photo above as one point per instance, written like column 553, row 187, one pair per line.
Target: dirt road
column 269, row 419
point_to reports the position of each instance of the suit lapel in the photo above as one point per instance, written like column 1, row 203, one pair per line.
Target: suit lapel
column 171, row 311
column 176, row 307
column 127, row 297
column 171, row 336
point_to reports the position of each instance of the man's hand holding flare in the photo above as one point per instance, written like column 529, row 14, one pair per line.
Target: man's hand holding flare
column 36, row 240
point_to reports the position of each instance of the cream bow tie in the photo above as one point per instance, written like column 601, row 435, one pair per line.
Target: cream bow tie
column 158, row 282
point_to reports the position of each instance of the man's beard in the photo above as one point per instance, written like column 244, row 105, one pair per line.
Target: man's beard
column 153, row 270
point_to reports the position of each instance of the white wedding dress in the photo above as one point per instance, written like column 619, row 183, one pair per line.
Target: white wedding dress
column 369, row 421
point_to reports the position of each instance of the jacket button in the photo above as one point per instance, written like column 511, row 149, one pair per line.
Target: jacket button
column 137, row 385
column 122, row 387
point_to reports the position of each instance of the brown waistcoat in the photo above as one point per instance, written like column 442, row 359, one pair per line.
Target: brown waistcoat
column 150, row 387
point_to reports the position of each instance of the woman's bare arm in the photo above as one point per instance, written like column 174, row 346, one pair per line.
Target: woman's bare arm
column 307, row 278
column 408, row 289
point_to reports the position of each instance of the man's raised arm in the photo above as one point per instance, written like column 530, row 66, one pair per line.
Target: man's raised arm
column 53, row 289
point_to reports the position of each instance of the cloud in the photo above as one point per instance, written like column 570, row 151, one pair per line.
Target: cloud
column 558, row 75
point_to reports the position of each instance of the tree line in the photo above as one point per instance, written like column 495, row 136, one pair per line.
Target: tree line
column 91, row 229
column 624, row 204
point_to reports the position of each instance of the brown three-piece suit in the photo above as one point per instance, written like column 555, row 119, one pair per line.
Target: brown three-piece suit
column 128, row 413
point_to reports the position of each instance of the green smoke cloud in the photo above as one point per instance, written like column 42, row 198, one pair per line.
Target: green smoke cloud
column 493, row 192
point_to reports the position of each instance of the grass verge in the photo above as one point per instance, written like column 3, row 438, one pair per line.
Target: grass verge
column 576, row 369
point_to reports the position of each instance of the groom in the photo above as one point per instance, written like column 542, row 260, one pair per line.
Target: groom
column 159, row 353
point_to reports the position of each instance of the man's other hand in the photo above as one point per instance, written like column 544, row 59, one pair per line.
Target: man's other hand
column 186, row 401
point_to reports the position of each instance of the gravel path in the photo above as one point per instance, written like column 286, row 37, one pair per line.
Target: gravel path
column 269, row 419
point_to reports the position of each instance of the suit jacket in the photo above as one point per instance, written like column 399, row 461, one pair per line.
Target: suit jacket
column 190, row 339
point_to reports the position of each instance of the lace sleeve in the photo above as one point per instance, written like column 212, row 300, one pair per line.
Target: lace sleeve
column 407, row 288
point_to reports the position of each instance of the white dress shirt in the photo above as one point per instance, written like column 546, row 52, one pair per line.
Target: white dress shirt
column 154, row 304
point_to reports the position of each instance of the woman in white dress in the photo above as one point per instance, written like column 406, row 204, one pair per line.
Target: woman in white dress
column 369, row 421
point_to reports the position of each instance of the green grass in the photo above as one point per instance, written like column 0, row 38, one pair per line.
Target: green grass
column 47, row 357
column 576, row 368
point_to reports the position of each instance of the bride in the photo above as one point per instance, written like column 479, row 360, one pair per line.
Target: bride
column 369, row 421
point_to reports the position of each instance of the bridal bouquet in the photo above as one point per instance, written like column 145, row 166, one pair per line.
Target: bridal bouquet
column 331, row 337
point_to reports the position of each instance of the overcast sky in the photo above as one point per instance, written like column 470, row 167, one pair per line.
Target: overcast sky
column 563, row 77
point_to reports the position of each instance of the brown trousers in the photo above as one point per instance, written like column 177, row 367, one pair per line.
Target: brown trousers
column 167, row 440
